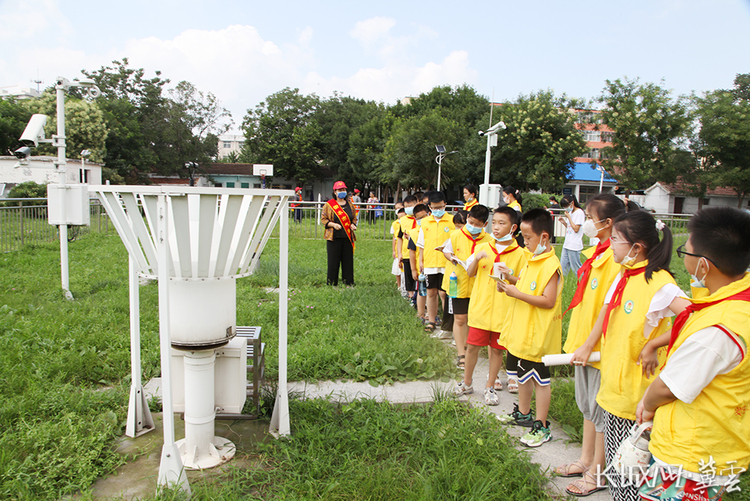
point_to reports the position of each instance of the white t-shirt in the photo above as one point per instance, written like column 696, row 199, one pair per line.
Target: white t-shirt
column 574, row 239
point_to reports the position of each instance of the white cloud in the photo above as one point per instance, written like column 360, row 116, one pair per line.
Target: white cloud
column 32, row 18
column 371, row 30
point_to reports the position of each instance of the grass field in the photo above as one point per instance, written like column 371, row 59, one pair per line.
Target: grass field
column 64, row 380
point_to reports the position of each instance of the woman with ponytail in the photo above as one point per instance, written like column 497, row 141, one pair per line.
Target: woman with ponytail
column 634, row 317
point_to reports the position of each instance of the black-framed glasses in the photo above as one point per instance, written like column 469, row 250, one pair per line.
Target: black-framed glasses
column 681, row 253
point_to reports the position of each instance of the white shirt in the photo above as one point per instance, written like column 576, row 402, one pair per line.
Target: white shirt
column 574, row 239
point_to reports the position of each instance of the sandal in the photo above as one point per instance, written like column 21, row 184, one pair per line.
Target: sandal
column 461, row 361
column 498, row 385
column 564, row 470
column 429, row 327
column 512, row 385
column 586, row 486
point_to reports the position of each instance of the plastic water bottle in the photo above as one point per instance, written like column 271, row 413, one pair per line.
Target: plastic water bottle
column 453, row 287
column 422, row 285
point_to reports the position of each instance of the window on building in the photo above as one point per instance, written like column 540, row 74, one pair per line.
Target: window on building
column 256, row 186
column 586, row 193
column 244, row 185
column 227, row 145
column 706, row 201
column 591, row 135
column 608, row 137
column 84, row 175
column 230, row 185
column 217, row 185
column 594, row 152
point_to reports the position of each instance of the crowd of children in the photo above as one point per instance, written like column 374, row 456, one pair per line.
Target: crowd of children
column 689, row 373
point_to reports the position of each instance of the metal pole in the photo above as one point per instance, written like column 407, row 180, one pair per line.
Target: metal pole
column 139, row 415
column 440, row 166
column 171, row 470
column 61, row 172
column 280, row 418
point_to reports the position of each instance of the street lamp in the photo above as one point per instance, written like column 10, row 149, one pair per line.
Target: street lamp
column 491, row 134
column 192, row 166
column 84, row 155
column 439, row 159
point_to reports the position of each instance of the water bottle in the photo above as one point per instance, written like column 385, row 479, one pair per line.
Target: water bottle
column 422, row 285
column 453, row 287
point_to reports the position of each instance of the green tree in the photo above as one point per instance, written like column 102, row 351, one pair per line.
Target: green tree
column 724, row 138
column 13, row 119
column 650, row 126
column 538, row 147
column 410, row 152
column 282, row 131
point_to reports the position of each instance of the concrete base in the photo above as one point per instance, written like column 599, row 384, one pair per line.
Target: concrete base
column 221, row 450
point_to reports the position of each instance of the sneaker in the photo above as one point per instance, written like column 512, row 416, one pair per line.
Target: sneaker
column 462, row 389
column 446, row 334
column 516, row 417
column 538, row 435
column 437, row 334
column 490, row 397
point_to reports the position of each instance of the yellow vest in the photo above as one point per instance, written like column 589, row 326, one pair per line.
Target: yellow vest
column 717, row 423
column 469, row 205
column 583, row 317
column 463, row 247
column 623, row 383
column 413, row 234
column 530, row 332
column 515, row 204
column 488, row 307
column 436, row 232
column 395, row 228
column 406, row 223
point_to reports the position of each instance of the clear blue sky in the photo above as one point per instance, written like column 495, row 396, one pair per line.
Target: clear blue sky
column 242, row 51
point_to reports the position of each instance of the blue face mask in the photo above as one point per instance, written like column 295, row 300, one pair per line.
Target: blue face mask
column 473, row 229
column 419, row 222
column 698, row 283
column 503, row 239
column 409, row 211
column 438, row 213
column 341, row 194
column 540, row 249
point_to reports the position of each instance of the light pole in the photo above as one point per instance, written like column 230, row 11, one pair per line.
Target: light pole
column 491, row 134
column 192, row 166
column 84, row 155
column 439, row 159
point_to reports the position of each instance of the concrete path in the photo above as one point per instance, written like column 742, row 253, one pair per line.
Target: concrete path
column 557, row 451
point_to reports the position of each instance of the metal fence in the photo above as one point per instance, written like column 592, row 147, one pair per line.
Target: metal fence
column 24, row 221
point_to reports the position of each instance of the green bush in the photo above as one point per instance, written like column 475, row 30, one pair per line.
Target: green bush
column 534, row 201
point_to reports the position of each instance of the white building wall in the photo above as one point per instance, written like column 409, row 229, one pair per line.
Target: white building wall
column 229, row 143
column 42, row 170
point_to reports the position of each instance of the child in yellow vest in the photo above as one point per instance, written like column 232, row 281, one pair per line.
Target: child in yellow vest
column 636, row 312
column 488, row 307
column 595, row 277
column 446, row 327
column 470, row 197
column 396, row 268
column 700, row 402
column 432, row 234
column 533, row 325
column 459, row 247
column 406, row 223
column 415, row 254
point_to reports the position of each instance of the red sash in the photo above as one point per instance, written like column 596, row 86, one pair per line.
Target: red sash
column 473, row 239
column 584, row 272
column 617, row 296
column 343, row 218
column 508, row 249
column 682, row 318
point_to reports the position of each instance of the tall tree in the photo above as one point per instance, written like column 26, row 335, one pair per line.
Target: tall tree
column 13, row 119
column 538, row 147
column 724, row 137
column 650, row 125
column 282, row 131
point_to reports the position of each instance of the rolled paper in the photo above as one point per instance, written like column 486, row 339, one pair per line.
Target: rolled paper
column 565, row 358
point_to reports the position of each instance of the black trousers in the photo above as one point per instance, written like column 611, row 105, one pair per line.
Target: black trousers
column 340, row 254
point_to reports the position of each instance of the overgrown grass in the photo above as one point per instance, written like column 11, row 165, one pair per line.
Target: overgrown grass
column 379, row 451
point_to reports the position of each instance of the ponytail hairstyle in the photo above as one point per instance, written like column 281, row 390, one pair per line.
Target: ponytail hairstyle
column 640, row 227
column 606, row 206
column 512, row 191
column 460, row 216
column 569, row 199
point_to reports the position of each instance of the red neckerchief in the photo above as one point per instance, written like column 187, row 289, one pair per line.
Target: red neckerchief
column 343, row 217
column 473, row 239
column 584, row 272
column 617, row 296
column 509, row 248
column 413, row 221
column 682, row 318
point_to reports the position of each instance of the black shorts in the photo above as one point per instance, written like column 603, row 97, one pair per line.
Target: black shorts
column 409, row 283
column 435, row 281
column 527, row 370
column 459, row 305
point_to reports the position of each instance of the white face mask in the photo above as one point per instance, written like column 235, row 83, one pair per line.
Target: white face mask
column 540, row 249
column 698, row 283
column 628, row 260
column 504, row 238
column 590, row 229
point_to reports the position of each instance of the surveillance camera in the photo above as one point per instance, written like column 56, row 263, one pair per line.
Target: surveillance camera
column 481, row 133
column 34, row 131
column 23, row 152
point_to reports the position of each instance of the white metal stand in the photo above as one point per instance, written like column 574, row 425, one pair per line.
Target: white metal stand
column 139, row 414
column 280, row 418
